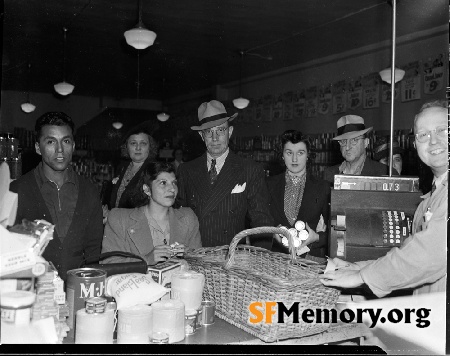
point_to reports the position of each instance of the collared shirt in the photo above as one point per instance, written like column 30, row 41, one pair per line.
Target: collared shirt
column 60, row 201
column 220, row 161
column 293, row 195
column 439, row 180
column 344, row 167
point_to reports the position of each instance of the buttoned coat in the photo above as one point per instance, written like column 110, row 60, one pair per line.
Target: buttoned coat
column 128, row 230
column 221, row 213
column 315, row 202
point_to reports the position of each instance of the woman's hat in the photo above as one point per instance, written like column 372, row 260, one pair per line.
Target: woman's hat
column 212, row 114
column 381, row 149
column 350, row 126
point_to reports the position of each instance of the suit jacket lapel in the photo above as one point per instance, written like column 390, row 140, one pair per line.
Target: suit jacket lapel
column 308, row 196
column 200, row 179
column 278, row 189
column 227, row 179
column 139, row 231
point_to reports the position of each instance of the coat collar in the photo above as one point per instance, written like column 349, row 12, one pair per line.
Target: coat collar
column 139, row 230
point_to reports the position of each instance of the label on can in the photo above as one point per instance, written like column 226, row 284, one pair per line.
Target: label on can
column 95, row 305
column 82, row 284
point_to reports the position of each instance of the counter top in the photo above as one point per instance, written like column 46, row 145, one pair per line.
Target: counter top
column 222, row 332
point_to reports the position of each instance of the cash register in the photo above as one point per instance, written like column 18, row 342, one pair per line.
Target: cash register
column 371, row 215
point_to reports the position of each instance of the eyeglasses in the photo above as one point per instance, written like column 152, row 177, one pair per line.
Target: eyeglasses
column 220, row 132
column 353, row 141
column 424, row 136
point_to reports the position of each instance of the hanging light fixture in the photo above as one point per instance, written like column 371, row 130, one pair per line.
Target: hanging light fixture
column 27, row 106
column 139, row 37
column 163, row 116
column 117, row 125
column 64, row 88
column 386, row 75
column 241, row 103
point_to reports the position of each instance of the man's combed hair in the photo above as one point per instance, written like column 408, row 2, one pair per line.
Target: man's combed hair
column 440, row 103
column 56, row 118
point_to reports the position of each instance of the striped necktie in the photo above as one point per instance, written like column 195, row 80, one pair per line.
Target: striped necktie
column 213, row 172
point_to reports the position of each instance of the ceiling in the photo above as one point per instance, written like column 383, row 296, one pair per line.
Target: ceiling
column 198, row 42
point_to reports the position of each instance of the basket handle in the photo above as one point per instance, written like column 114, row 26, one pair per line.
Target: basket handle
column 258, row 230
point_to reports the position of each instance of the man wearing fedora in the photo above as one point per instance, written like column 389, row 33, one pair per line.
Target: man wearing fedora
column 353, row 141
column 381, row 153
column 221, row 187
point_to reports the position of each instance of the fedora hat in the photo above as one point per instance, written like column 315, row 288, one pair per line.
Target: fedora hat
column 212, row 114
column 381, row 149
column 350, row 126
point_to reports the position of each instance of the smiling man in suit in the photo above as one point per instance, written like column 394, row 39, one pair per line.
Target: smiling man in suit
column 220, row 186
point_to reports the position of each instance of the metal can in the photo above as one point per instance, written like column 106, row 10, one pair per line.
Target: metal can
column 95, row 305
column 83, row 283
column 208, row 311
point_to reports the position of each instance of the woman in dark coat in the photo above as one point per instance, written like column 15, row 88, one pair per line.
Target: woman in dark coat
column 141, row 148
column 297, row 195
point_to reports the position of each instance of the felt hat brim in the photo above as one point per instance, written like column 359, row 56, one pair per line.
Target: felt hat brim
column 352, row 134
column 385, row 152
column 208, row 125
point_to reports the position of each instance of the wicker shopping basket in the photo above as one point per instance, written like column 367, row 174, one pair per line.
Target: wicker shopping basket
column 237, row 275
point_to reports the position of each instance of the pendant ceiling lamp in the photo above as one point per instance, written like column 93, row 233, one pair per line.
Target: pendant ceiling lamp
column 241, row 103
column 64, row 88
column 139, row 37
column 117, row 125
column 27, row 106
column 163, row 116
column 386, row 75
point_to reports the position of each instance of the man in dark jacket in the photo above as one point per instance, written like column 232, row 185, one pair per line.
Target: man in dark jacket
column 220, row 186
column 55, row 193
column 352, row 138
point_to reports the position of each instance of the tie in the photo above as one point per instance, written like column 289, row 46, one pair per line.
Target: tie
column 433, row 188
column 213, row 172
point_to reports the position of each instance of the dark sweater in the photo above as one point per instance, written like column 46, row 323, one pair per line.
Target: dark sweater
column 85, row 234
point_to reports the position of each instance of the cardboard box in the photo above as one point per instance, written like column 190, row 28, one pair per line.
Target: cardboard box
column 162, row 272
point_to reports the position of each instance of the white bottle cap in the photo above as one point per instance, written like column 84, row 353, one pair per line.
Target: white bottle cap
column 300, row 225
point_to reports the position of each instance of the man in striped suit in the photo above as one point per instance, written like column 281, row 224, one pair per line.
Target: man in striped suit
column 221, row 187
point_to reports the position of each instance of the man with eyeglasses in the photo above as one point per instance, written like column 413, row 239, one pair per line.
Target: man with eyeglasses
column 353, row 141
column 221, row 187
column 421, row 262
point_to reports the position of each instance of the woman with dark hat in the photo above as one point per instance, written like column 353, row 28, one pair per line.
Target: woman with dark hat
column 381, row 153
column 141, row 149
